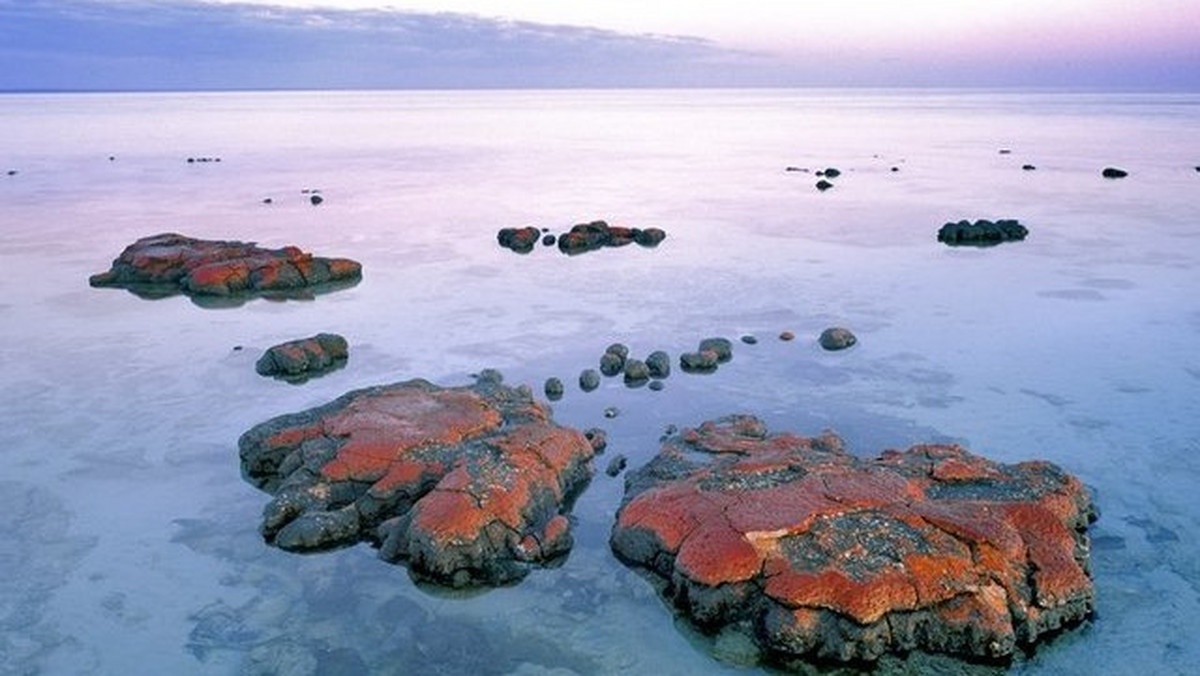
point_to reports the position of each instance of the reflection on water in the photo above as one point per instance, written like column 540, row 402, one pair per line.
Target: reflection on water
column 132, row 535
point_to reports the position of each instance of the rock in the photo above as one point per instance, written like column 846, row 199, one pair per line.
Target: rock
column 304, row 358
column 817, row 554
column 830, row 173
column 824, row 185
column 981, row 232
column 795, row 169
column 1113, row 172
column 598, row 438
column 722, row 346
column 549, row 240
column 749, row 340
column 553, row 389
column 519, row 240
column 172, row 263
column 12, row 172
column 468, row 485
column 656, row 385
column 786, row 336
column 895, row 169
column 316, row 199
column 1005, row 151
column 611, row 363
column 659, row 364
column 616, row 465
column 1028, row 167
column 836, row 338
column 636, row 372
column 698, row 362
column 584, row 237
column 589, row 380
column 619, row 349
column 268, row 200
column 612, row 412
column 649, row 237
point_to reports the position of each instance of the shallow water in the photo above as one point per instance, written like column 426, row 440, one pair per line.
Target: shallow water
column 130, row 542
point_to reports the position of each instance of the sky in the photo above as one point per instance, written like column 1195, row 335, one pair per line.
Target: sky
column 313, row 44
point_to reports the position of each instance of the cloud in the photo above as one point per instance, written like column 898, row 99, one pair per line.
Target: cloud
column 143, row 44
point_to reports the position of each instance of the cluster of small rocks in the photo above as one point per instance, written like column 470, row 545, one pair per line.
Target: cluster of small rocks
column 982, row 232
column 824, row 174
column 581, row 238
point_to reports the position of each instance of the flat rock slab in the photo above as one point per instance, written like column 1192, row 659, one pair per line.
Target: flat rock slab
column 304, row 358
column 170, row 263
column 820, row 555
column 469, row 485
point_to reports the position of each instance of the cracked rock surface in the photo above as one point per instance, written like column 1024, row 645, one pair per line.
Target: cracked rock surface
column 820, row 555
column 201, row 267
column 468, row 485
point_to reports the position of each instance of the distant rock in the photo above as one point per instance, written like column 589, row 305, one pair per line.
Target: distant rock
column 636, row 372
column 589, row 380
column 166, row 263
column 553, row 389
column 298, row 359
column 787, row 336
column 520, row 240
column 815, row 554
column 698, row 362
column 1028, row 167
column 829, row 172
column 824, row 185
column 468, row 485
column 1005, row 151
column 837, row 338
column 749, row 339
column 721, row 346
column 611, row 364
column 315, row 200
column 982, row 232
column 659, row 364
column 1113, row 172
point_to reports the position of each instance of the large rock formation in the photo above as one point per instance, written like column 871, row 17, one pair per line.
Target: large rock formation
column 171, row 263
column 470, row 485
column 820, row 555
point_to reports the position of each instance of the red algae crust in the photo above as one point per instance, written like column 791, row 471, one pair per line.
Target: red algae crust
column 468, row 485
column 820, row 555
column 200, row 267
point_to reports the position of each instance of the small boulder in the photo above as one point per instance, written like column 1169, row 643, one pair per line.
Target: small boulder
column 519, row 240
column 316, row 200
column 1028, row 167
column 553, row 389
column 830, row 172
column 1113, row 172
column 749, row 339
column 836, row 338
column 589, row 380
column 698, row 362
column 824, row 185
column 299, row 359
column 659, row 364
column 636, row 372
column 611, row 364
column 721, row 346
column 649, row 237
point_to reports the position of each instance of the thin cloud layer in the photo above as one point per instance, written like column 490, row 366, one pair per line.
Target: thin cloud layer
column 82, row 44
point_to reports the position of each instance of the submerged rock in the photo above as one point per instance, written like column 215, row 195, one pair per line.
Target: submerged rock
column 469, row 485
column 305, row 357
column 818, row 554
column 836, row 338
column 982, row 232
column 170, row 262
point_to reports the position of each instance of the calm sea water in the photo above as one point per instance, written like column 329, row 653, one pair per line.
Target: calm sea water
column 128, row 538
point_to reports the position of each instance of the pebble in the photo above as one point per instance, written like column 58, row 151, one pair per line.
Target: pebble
column 787, row 335
column 612, row 412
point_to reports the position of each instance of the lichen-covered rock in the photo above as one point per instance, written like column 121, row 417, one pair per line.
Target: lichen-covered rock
column 469, row 485
column 982, row 232
column 175, row 263
column 520, row 240
column 304, row 357
column 586, row 237
column 821, row 555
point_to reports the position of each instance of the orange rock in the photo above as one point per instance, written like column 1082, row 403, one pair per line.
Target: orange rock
column 469, row 485
column 842, row 558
